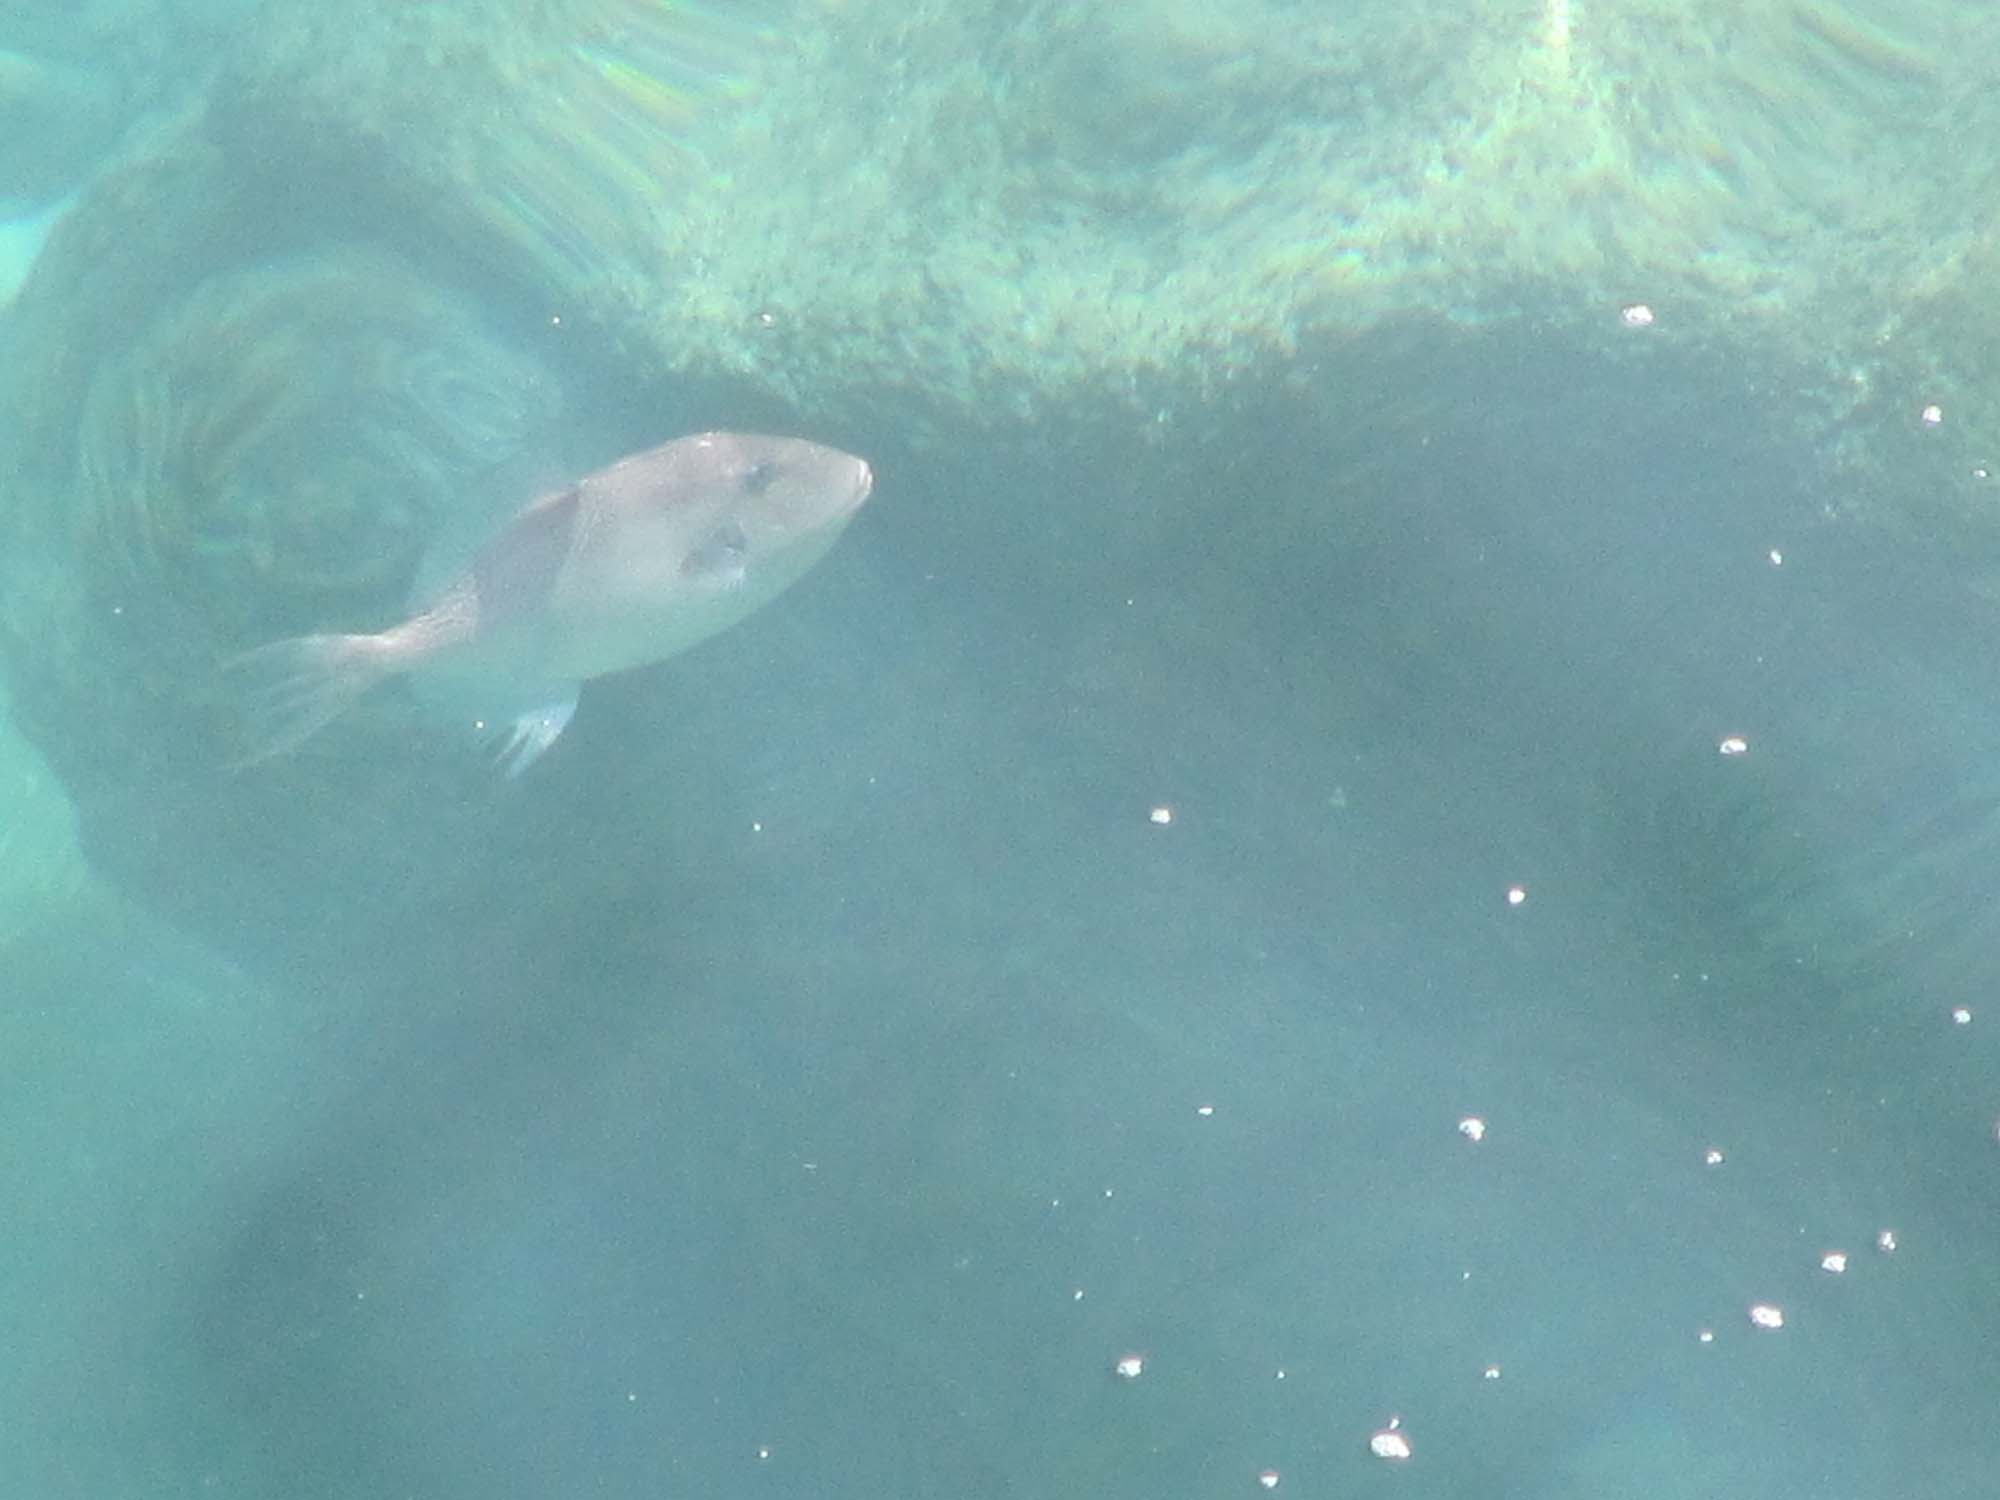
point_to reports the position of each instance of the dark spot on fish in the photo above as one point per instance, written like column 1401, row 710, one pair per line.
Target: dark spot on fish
column 721, row 551
column 757, row 478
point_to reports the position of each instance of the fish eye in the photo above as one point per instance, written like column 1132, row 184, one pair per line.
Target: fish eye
column 757, row 478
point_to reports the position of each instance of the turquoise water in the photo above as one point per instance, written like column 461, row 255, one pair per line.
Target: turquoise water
column 1081, row 920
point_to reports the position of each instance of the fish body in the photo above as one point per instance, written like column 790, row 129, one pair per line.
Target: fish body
column 628, row 566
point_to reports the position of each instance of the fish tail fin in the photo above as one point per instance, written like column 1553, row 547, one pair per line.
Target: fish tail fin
column 288, row 691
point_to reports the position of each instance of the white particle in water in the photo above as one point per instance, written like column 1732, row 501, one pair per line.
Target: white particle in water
column 1389, row 1442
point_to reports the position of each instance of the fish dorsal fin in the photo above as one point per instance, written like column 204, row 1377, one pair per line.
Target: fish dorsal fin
column 514, row 573
column 487, row 505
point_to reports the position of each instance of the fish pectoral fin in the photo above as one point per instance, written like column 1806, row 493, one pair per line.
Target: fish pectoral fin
column 720, row 558
column 531, row 733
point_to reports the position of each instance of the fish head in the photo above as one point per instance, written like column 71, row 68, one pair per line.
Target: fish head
column 751, row 504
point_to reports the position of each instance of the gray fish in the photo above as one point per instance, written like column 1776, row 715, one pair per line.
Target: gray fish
column 630, row 565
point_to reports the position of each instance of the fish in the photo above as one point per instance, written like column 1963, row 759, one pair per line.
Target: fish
column 626, row 567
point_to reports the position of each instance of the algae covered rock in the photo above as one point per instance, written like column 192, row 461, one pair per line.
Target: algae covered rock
column 995, row 207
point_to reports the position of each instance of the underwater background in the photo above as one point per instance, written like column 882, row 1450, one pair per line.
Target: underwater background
column 1381, row 839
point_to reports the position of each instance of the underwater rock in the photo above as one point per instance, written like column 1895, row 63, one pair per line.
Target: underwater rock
column 1109, row 228
column 285, row 440
column 553, row 145
column 41, row 868
column 219, row 445
column 55, row 118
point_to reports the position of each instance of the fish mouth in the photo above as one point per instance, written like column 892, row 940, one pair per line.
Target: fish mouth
column 864, row 483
